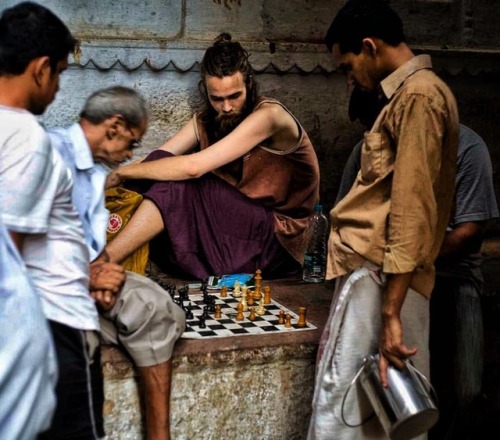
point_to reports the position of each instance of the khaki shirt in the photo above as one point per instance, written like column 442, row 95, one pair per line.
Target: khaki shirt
column 396, row 213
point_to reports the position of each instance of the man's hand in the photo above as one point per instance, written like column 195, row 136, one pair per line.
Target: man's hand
column 112, row 180
column 106, row 281
column 391, row 347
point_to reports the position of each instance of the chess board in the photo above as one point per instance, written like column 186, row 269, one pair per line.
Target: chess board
column 227, row 325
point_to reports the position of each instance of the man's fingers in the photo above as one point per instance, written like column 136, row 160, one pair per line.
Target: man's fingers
column 382, row 368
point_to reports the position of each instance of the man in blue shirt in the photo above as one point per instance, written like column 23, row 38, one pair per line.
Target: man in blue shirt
column 141, row 316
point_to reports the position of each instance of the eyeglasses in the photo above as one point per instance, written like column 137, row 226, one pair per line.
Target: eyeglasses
column 134, row 145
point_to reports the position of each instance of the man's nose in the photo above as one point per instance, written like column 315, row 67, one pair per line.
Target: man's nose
column 227, row 107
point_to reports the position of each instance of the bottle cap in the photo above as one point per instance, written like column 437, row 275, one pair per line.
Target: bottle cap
column 318, row 208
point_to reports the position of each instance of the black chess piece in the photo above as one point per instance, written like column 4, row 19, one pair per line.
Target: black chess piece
column 189, row 313
column 211, row 303
column 183, row 292
column 201, row 322
column 205, row 313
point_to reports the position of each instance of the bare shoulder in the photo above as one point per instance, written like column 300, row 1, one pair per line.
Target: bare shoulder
column 286, row 132
column 278, row 114
column 271, row 108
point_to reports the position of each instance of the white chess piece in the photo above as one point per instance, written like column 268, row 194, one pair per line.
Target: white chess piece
column 261, row 310
column 244, row 300
column 237, row 289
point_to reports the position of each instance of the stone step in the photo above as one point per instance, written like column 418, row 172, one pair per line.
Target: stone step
column 242, row 387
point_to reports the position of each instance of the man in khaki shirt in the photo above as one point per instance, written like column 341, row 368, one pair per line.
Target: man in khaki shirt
column 387, row 231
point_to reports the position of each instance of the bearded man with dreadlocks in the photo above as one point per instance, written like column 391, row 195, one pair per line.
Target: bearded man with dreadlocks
column 232, row 191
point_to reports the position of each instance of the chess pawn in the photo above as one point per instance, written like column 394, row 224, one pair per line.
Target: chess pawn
column 267, row 295
column 239, row 314
column 244, row 301
column 250, row 300
column 261, row 309
column 218, row 314
column 257, row 295
column 252, row 316
column 237, row 289
column 201, row 322
column 189, row 312
column 281, row 317
column 288, row 321
column 223, row 292
column 302, row 317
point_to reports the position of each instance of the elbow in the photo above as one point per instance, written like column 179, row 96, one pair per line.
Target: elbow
column 193, row 171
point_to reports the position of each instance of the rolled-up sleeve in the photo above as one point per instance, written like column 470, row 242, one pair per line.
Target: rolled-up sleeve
column 419, row 127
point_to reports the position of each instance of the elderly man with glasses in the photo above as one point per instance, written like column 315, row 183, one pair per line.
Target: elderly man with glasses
column 134, row 311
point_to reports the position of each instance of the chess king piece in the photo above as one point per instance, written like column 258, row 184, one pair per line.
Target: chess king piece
column 302, row 317
column 258, row 280
column 288, row 320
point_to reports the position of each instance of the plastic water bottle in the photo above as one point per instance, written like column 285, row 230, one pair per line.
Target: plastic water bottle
column 314, row 268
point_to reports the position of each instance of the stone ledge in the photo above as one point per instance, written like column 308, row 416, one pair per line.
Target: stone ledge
column 217, row 382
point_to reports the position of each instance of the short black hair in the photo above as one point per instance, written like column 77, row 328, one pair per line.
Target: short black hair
column 29, row 31
column 360, row 19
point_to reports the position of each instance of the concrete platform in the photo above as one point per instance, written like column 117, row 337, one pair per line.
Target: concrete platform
column 243, row 387
column 260, row 387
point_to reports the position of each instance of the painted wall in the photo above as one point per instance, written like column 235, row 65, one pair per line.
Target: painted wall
column 154, row 46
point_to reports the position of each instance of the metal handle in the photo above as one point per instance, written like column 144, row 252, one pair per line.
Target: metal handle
column 353, row 381
column 426, row 381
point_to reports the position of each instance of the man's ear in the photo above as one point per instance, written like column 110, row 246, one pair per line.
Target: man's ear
column 112, row 125
column 41, row 69
column 370, row 46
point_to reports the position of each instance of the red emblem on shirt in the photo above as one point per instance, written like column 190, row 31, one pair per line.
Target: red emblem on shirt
column 115, row 223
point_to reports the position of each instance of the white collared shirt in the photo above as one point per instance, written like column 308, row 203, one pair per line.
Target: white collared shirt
column 88, row 190
column 35, row 199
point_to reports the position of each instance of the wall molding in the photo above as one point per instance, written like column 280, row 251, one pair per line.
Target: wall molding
column 266, row 57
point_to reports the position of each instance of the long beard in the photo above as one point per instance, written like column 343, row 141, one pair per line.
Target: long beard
column 226, row 123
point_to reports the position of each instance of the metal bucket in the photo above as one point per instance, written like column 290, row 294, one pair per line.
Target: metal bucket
column 406, row 408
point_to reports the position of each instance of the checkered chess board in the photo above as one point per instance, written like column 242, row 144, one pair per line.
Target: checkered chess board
column 227, row 325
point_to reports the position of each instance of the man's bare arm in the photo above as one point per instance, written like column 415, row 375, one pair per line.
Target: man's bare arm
column 392, row 347
column 257, row 127
column 466, row 238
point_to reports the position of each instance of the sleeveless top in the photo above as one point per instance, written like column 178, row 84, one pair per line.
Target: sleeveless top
column 285, row 181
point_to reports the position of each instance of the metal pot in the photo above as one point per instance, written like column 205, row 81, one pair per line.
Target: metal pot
column 406, row 408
